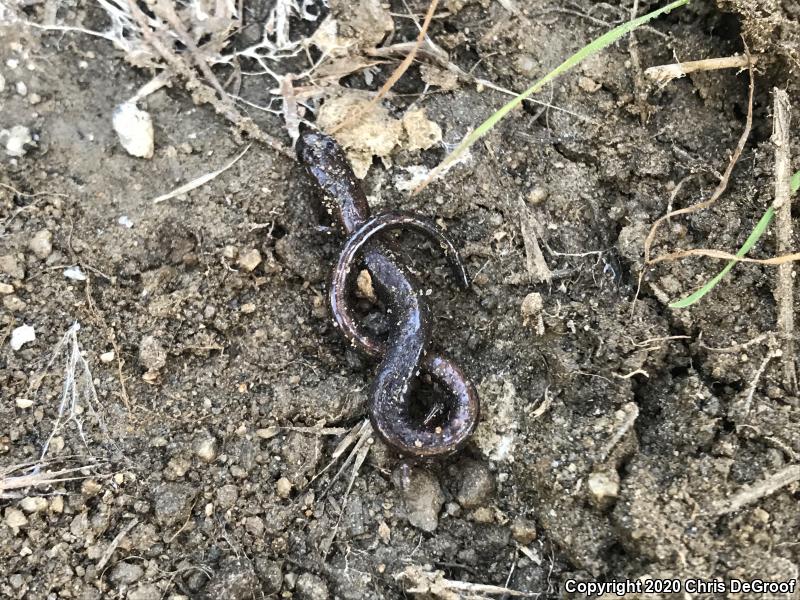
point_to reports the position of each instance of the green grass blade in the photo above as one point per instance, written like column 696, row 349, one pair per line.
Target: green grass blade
column 762, row 225
column 751, row 240
column 603, row 41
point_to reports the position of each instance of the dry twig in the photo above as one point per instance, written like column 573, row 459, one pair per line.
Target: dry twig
column 761, row 489
column 784, row 289
column 663, row 74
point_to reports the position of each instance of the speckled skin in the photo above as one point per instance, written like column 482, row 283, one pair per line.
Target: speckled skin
column 406, row 354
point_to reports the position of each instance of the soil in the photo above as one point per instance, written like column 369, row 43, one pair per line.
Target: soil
column 615, row 430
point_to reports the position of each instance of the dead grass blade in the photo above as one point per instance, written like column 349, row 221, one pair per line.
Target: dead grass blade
column 723, row 182
column 200, row 181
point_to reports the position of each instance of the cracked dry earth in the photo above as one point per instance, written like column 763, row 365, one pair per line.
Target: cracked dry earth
column 614, row 440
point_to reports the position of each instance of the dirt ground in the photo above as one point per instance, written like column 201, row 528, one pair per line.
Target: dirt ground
column 620, row 439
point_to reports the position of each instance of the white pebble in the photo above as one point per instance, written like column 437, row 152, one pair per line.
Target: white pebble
column 125, row 221
column 22, row 335
column 18, row 137
column 107, row 357
column 74, row 273
column 12, row 63
column 22, row 89
column 23, row 403
column 135, row 129
column 32, row 504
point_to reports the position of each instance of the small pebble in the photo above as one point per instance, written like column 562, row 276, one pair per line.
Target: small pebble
column 34, row 99
column 249, row 260
column 537, row 195
column 125, row 572
column 172, row 503
column 134, row 128
column 18, row 137
column 604, row 488
column 57, row 504
column 32, row 504
column 311, row 587
column 107, row 357
column 477, row 484
column 74, row 273
column 23, row 403
column 152, row 355
column 15, row 518
column 422, row 496
column 205, row 448
column 14, row 304
column 21, row 88
column 523, row 530
column 283, row 487
column 41, row 244
column 6, row 289
column 21, row 336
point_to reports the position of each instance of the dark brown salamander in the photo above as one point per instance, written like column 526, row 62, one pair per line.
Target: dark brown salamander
column 405, row 355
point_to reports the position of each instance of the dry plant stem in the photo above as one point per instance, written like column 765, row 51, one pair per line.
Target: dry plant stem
column 761, row 489
column 200, row 91
column 396, row 75
column 784, row 289
column 663, row 74
column 723, row 182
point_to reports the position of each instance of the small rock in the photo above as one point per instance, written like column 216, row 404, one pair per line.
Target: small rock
column 172, row 503
column 523, row 530
column 477, row 484
column 107, row 357
column 126, row 573
column 146, row 591
column 587, row 84
column 134, row 128
column 152, row 355
column 34, row 99
column 23, row 403
column 311, row 587
column 10, row 265
column 283, row 487
column 603, row 488
column 249, row 260
column 21, row 336
column 205, row 448
column 21, row 88
column 384, row 532
column 57, row 504
column 74, row 273
column 537, row 195
column 364, row 288
column 6, row 289
column 41, row 244
column 230, row 252
column 254, row 526
column 227, row 496
column 14, row 304
column 268, row 432
column 422, row 496
column 483, row 514
column 15, row 519
column 32, row 504
column 270, row 574
column 18, row 137
column 532, row 308
column 125, row 221
column 235, row 580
